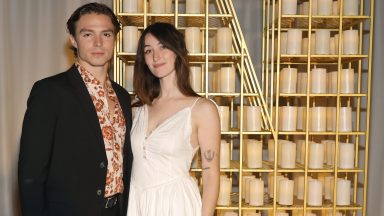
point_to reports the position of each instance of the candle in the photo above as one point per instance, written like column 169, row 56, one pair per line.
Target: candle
column 301, row 118
column 330, row 153
column 313, row 43
column 304, row 46
column 252, row 118
column 279, row 151
column 224, row 117
column 319, row 80
column 315, row 193
column 285, row 192
column 271, row 150
column 316, row 155
column 193, row 39
column 343, row 192
column 224, row 198
column 300, row 187
column 350, row 42
column 224, row 40
column 346, row 155
column 243, row 189
column 227, row 77
column 256, row 195
column 283, row 43
column 140, row 6
column 288, row 118
column 300, row 9
column 302, row 83
column 351, row 8
column 288, row 79
column 331, row 118
column 254, row 153
column 288, row 154
column 322, row 42
column 318, row 121
column 314, row 7
column 129, row 77
column 168, row 6
column 247, row 188
column 252, row 214
column 324, row 7
column 130, row 6
column 225, row 155
column 130, row 39
column 230, row 213
column 332, row 82
column 270, row 183
column 328, row 188
column 193, row 6
column 289, row 7
column 281, row 213
column 345, row 119
column 347, row 81
column 157, row 6
column 335, row 8
column 212, row 79
column 336, row 37
column 294, row 41
column 195, row 78
column 300, row 151
column 305, row 8
column 332, row 47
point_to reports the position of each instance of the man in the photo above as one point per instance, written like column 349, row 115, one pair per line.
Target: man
column 75, row 154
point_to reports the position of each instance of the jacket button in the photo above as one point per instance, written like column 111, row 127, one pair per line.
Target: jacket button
column 102, row 165
column 99, row 192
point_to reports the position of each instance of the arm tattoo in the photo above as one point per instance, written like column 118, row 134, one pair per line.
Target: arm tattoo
column 209, row 155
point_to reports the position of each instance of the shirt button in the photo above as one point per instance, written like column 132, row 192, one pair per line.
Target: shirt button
column 99, row 192
column 102, row 165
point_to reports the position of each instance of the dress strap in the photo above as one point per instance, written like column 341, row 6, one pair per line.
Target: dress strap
column 195, row 102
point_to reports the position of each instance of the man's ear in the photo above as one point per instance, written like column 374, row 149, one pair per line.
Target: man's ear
column 73, row 41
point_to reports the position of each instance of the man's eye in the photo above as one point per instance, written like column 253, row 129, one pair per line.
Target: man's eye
column 108, row 34
column 86, row 35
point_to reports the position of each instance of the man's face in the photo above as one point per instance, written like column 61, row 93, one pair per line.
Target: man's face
column 94, row 40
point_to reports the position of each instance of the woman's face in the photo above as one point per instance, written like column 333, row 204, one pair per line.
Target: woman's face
column 159, row 59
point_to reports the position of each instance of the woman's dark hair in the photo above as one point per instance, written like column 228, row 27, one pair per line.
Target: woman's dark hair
column 146, row 85
column 90, row 8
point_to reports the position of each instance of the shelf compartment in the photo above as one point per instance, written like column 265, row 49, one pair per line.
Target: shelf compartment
column 327, row 22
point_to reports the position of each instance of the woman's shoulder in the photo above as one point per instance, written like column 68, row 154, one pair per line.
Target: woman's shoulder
column 205, row 106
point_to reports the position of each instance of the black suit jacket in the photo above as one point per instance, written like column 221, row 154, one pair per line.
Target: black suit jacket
column 62, row 161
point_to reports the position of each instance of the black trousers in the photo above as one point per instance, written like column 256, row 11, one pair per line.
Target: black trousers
column 113, row 211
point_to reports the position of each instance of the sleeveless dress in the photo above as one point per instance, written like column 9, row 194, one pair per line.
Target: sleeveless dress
column 160, row 181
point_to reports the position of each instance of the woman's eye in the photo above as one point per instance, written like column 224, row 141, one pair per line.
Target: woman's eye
column 147, row 51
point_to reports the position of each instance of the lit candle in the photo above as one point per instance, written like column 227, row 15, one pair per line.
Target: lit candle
column 346, row 155
column 130, row 6
column 347, row 81
column 335, row 8
column 294, row 41
column 332, row 82
column 129, row 77
column 285, row 192
column 319, row 80
column 253, row 118
column 288, row 118
column 195, row 78
column 271, row 150
column 315, row 193
column 318, row 121
column 288, row 79
column 157, row 6
column 350, row 42
column 328, row 188
column 224, row 198
column 130, row 39
column 304, row 46
column 254, row 153
column 243, row 189
column 322, row 42
column 343, row 195
column 332, row 47
column 301, row 118
column 289, row 7
column 227, row 77
column 224, row 40
column 300, row 151
column 256, row 195
column 288, row 154
column 224, row 118
column 247, row 188
column 316, row 155
column 351, row 8
column 225, row 155
column 331, row 118
column 345, row 121
column 193, row 39
column 193, row 6
column 324, row 7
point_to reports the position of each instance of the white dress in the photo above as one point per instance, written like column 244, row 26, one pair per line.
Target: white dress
column 160, row 182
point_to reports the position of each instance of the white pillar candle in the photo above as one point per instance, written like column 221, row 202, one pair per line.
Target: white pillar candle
column 224, row 118
column 256, row 192
column 331, row 118
column 225, row 154
column 227, row 77
column 322, row 42
column 129, row 77
column 313, row 43
column 304, row 46
column 288, row 80
column 332, row 47
column 335, row 8
column 279, row 151
column 130, row 6
column 224, row 198
column 288, row 154
column 332, row 82
column 193, row 39
column 270, row 183
column 346, row 155
column 315, row 193
column 316, row 155
column 195, row 78
column 301, row 118
column 283, row 43
column 285, row 192
column 314, row 7
column 212, row 44
column 350, row 42
column 140, row 6
column 305, row 8
column 300, row 151
column 253, row 118
column 224, row 40
column 345, row 119
column 347, row 81
column 193, row 6
column 294, row 41
column 288, row 118
column 321, row 177
column 157, row 6
column 289, row 7
column 300, row 9
column 247, row 188
column 309, row 213
column 318, row 121
column 230, row 213
column 324, row 7
column 336, row 37
column 168, row 6
column 295, row 182
column 281, row 213
column 300, row 188
column 252, row 214
column 244, row 180
column 130, row 39
column 328, row 188
column 351, row 8
column 319, row 80
column 254, row 153
column 271, row 150
column 302, row 82
column 343, row 193
column 330, row 152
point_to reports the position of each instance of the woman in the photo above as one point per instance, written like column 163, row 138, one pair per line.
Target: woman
column 170, row 124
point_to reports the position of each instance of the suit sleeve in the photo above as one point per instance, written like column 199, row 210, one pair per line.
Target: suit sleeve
column 36, row 142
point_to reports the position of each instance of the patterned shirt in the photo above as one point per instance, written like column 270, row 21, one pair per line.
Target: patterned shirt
column 112, row 126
